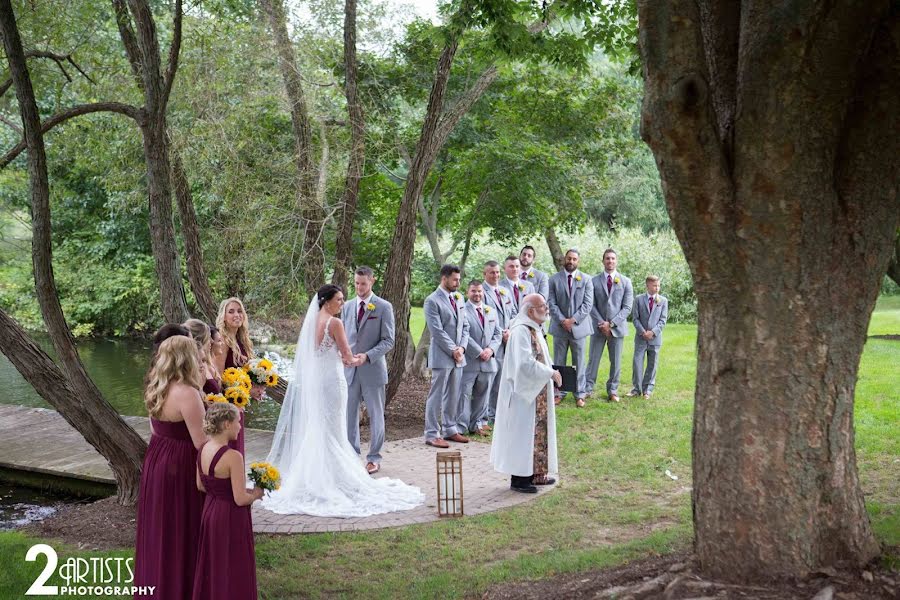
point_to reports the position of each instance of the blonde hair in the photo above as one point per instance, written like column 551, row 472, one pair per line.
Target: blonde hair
column 651, row 279
column 176, row 362
column 200, row 332
column 241, row 338
column 217, row 415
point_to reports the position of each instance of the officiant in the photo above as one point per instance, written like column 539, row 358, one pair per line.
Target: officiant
column 524, row 443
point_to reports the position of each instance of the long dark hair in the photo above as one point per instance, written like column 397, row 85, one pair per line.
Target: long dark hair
column 327, row 292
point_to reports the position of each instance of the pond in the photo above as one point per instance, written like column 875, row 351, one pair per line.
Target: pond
column 118, row 366
column 20, row 506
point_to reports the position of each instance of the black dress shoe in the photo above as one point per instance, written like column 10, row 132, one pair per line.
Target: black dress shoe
column 526, row 489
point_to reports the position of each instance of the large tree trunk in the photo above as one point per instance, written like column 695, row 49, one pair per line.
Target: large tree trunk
column 350, row 199
column 77, row 397
column 190, row 231
column 776, row 136
column 142, row 49
column 436, row 129
column 311, row 211
column 556, row 251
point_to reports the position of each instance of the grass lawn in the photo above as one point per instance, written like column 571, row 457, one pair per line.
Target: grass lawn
column 614, row 502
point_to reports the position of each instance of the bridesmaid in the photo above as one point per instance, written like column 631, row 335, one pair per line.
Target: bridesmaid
column 218, row 350
column 201, row 334
column 226, row 560
column 169, row 504
column 232, row 324
column 165, row 332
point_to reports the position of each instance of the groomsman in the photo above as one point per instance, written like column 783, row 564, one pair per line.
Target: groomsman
column 369, row 323
column 498, row 299
column 613, row 297
column 485, row 337
column 651, row 310
column 570, row 301
column 540, row 279
column 446, row 356
column 513, row 283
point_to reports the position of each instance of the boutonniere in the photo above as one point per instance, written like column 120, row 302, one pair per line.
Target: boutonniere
column 656, row 299
column 617, row 281
column 502, row 291
column 487, row 309
column 578, row 278
column 370, row 306
column 531, row 275
column 521, row 288
column 458, row 296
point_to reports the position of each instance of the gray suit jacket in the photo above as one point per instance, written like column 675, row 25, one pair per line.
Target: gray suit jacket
column 373, row 335
column 480, row 338
column 448, row 330
column 654, row 321
column 525, row 288
column 578, row 306
column 541, row 282
column 505, row 309
column 614, row 307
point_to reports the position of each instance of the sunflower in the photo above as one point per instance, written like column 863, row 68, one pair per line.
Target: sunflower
column 231, row 376
column 215, row 398
column 265, row 364
column 272, row 380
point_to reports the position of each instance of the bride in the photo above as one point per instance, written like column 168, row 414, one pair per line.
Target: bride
column 321, row 473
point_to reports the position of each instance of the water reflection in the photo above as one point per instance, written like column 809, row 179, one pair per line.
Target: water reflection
column 118, row 366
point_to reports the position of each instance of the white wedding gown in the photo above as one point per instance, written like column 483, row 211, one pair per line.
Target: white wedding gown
column 321, row 473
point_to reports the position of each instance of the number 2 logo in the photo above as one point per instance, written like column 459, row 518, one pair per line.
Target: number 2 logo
column 38, row 586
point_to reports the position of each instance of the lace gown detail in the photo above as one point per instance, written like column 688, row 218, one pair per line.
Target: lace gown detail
column 322, row 474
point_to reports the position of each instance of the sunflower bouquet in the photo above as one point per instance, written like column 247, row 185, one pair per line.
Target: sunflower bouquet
column 237, row 386
column 261, row 372
column 265, row 476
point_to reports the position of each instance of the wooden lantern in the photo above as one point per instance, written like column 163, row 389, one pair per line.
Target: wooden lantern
column 449, row 484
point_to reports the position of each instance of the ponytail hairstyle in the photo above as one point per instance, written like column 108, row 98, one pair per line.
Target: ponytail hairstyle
column 217, row 416
column 176, row 362
column 203, row 338
column 241, row 337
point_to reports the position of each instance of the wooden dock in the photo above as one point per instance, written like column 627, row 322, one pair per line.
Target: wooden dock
column 37, row 444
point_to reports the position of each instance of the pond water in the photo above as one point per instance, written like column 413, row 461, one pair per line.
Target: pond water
column 20, row 506
column 118, row 366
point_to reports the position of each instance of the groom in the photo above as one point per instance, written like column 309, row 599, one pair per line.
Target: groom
column 369, row 323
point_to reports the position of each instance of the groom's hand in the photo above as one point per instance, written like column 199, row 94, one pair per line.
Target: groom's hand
column 360, row 359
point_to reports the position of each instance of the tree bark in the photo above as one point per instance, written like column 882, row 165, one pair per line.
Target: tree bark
column 142, row 49
column 350, row 198
column 783, row 194
column 190, row 231
column 77, row 398
column 556, row 251
column 311, row 211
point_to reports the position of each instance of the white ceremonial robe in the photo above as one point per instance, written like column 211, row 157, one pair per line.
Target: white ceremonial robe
column 523, row 376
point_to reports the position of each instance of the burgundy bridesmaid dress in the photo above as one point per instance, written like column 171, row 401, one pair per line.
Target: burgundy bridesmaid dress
column 226, row 559
column 169, row 510
column 237, row 444
column 212, row 386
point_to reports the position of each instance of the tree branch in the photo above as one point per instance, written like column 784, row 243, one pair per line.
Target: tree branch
column 126, row 32
column 12, row 125
column 451, row 117
column 174, row 51
column 83, row 109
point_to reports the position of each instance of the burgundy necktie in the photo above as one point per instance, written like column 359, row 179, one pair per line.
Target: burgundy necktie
column 651, row 303
column 570, row 284
column 480, row 317
column 608, row 283
column 524, row 275
column 499, row 300
column 360, row 312
column 453, row 303
column 516, row 292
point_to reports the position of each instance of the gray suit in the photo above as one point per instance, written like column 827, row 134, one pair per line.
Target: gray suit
column 516, row 295
column 505, row 312
column 613, row 306
column 540, row 280
column 449, row 329
column 478, row 375
column 646, row 320
column 374, row 336
column 564, row 303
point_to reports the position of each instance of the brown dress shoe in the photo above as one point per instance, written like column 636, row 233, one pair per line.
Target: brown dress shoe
column 457, row 438
column 437, row 443
column 646, row 396
column 613, row 398
column 579, row 403
column 373, row 468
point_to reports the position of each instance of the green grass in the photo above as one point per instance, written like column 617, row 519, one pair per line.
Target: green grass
column 614, row 502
